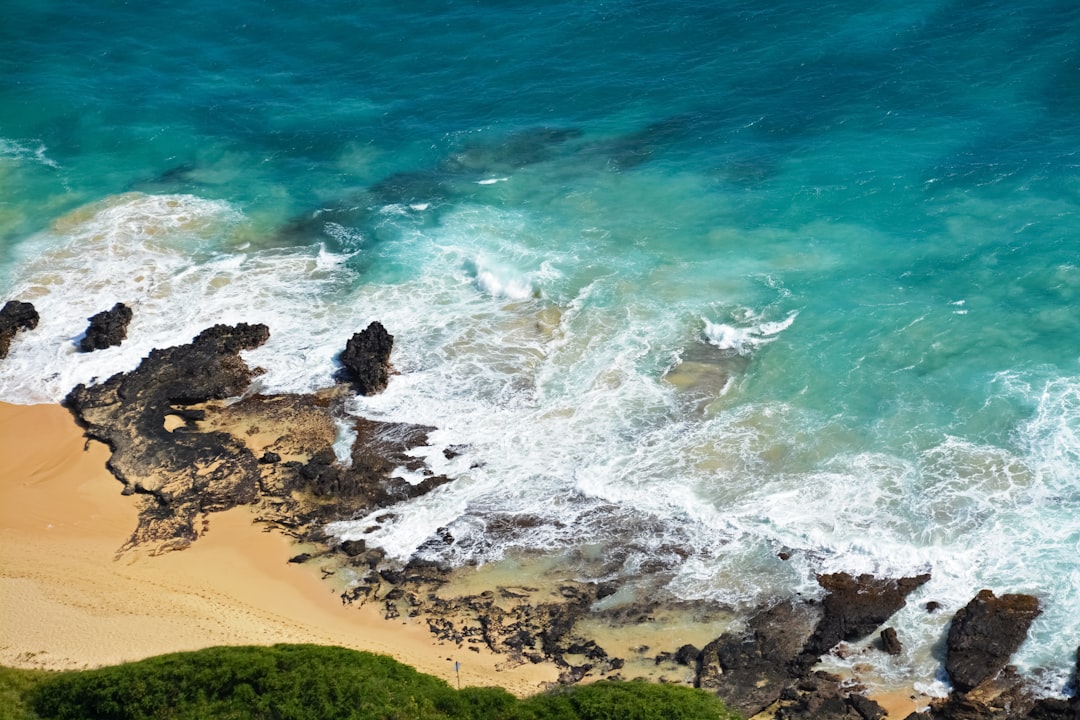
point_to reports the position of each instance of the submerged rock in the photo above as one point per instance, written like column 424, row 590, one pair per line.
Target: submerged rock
column 984, row 634
column 366, row 359
column 107, row 328
column 15, row 316
column 517, row 150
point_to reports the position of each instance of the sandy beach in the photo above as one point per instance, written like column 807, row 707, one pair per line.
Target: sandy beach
column 69, row 601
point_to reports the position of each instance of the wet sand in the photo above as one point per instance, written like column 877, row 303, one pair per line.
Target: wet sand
column 68, row 601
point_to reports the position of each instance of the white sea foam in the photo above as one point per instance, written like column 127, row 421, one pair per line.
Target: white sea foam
column 502, row 284
column 161, row 255
column 564, row 422
column 32, row 150
column 744, row 338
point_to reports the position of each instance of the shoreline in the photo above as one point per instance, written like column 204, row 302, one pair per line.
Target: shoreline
column 70, row 602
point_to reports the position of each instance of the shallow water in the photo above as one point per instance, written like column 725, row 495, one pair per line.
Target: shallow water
column 695, row 284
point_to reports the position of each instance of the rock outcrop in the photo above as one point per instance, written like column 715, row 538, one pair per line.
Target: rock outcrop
column 853, row 608
column 15, row 316
column 750, row 670
column 769, row 663
column 108, row 328
column 366, row 359
column 981, row 639
column 188, row 437
column 822, row 696
column 128, row 413
column 272, row 450
column 890, row 643
column 984, row 634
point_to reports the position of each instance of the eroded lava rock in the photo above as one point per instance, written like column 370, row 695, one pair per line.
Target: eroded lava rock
column 853, row 608
column 366, row 359
column 984, row 634
column 750, row 670
column 15, row 316
column 188, row 461
column 107, row 328
column 185, row 473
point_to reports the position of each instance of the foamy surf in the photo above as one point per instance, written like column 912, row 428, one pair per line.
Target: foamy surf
column 32, row 150
column 166, row 257
column 748, row 335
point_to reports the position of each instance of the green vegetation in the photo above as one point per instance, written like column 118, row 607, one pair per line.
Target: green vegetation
column 15, row 688
column 311, row 682
column 623, row 701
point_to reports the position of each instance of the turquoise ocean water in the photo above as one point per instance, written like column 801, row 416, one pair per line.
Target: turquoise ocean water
column 686, row 283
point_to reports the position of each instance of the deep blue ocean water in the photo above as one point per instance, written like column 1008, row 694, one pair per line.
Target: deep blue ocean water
column 693, row 282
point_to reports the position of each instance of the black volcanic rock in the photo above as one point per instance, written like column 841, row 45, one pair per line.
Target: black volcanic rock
column 890, row 643
column 15, row 316
column 986, row 702
column 687, row 655
column 853, row 608
column 352, row 548
column 823, row 696
column 958, row 707
column 275, row 451
column 984, row 634
column 127, row 412
column 366, row 359
column 107, row 328
column 750, row 670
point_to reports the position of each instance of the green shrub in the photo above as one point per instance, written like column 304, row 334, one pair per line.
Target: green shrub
column 607, row 700
column 283, row 682
column 16, row 687
column 313, row 682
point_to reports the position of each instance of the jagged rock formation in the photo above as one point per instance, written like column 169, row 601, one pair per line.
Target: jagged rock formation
column 15, row 316
column 770, row 662
column 750, row 670
column 984, row 634
column 522, row 623
column 890, row 643
column 981, row 639
column 853, row 608
column 276, row 451
column 366, row 359
column 128, row 413
column 107, row 328
column 187, row 441
column 822, row 696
